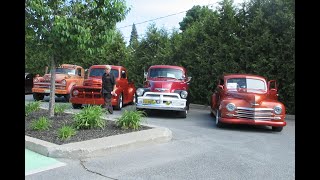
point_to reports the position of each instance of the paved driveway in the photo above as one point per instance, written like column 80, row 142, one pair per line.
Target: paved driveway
column 198, row 150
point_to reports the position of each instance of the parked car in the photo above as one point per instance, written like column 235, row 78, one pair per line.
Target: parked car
column 247, row 99
column 90, row 91
column 67, row 76
column 28, row 83
column 166, row 88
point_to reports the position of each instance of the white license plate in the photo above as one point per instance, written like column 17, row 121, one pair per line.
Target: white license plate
column 47, row 91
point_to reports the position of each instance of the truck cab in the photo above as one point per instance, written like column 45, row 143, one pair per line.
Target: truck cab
column 166, row 88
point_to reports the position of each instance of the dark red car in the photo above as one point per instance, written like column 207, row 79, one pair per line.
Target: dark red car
column 247, row 99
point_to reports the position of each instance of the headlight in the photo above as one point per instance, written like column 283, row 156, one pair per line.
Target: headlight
column 139, row 91
column 231, row 107
column 75, row 92
column 277, row 109
column 184, row 94
column 63, row 82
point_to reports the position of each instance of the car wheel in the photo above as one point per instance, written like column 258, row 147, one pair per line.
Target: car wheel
column 183, row 114
column 120, row 102
column 67, row 97
column 277, row 129
column 211, row 113
column 218, row 116
column 76, row 106
column 38, row 96
column 134, row 100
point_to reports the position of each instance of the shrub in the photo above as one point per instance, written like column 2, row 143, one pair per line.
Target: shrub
column 66, row 132
column 130, row 119
column 60, row 108
column 31, row 107
column 41, row 124
column 89, row 117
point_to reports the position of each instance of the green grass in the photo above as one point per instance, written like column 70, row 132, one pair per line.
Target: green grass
column 65, row 132
column 60, row 108
column 130, row 119
column 31, row 107
column 89, row 117
column 41, row 124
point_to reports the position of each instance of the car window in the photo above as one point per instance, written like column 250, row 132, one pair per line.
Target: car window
column 233, row 84
column 101, row 71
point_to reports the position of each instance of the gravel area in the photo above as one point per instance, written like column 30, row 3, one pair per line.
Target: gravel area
column 58, row 121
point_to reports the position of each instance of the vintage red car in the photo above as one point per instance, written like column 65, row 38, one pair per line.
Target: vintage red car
column 247, row 99
column 90, row 91
column 166, row 88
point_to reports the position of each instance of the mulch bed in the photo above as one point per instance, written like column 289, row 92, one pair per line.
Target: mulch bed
column 58, row 121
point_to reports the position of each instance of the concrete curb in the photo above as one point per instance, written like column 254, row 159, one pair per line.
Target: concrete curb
column 99, row 146
column 96, row 147
column 204, row 107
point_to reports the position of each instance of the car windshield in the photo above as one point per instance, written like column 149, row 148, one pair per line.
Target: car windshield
column 165, row 73
column 65, row 71
column 101, row 71
column 234, row 84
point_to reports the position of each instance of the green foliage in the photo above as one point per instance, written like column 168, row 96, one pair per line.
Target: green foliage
column 65, row 132
column 64, row 30
column 89, row 117
column 60, row 108
column 133, row 37
column 130, row 119
column 41, row 124
column 31, row 107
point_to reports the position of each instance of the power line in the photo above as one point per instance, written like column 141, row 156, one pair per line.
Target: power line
column 161, row 17
column 153, row 19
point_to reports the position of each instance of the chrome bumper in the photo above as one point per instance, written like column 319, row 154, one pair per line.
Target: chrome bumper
column 161, row 101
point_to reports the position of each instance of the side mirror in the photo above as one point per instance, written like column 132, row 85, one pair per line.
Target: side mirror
column 272, row 85
column 189, row 78
column 123, row 74
column 145, row 75
column 220, row 87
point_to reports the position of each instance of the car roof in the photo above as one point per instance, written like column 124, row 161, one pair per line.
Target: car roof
column 227, row 76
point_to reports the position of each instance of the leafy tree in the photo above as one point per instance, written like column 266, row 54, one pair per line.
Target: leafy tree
column 196, row 13
column 76, row 26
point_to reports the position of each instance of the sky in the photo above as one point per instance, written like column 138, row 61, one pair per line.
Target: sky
column 145, row 10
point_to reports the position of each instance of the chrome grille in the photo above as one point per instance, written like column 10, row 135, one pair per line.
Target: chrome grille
column 255, row 113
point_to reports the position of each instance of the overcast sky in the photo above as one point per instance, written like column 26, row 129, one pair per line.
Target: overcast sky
column 144, row 10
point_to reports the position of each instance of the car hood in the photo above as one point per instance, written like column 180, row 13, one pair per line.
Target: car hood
column 249, row 97
column 59, row 77
column 167, row 86
column 93, row 81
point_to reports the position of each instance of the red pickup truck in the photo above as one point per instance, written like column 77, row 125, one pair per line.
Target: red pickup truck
column 67, row 76
column 166, row 88
column 90, row 91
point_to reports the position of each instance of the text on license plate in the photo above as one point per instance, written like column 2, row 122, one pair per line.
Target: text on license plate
column 149, row 101
column 47, row 91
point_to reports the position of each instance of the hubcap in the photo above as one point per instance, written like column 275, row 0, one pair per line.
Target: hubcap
column 134, row 98
column 217, row 117
column 120, row 99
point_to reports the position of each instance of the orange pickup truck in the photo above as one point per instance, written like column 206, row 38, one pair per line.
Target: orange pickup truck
column 67, row 76
column 90, row 91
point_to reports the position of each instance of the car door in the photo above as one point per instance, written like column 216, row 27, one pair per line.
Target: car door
column 124, row 85
column 272, row 89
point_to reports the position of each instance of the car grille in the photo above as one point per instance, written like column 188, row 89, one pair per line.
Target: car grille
column 255, row 113
column 89, row 93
